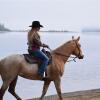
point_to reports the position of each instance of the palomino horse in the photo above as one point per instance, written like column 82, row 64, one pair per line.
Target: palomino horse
column 14, row 65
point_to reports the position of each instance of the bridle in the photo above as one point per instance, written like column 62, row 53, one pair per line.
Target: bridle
column 73, row 58
column 77, row 48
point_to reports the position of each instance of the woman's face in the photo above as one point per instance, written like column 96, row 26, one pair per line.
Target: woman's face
column 37, row 28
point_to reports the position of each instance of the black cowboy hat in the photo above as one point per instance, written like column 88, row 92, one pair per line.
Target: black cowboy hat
column 36, row 24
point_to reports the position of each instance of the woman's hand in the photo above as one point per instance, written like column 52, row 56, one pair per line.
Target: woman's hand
column 44, row 45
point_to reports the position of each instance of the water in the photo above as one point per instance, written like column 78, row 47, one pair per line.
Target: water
column 82, row 75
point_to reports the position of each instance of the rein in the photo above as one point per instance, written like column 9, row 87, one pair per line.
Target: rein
column 73, row 58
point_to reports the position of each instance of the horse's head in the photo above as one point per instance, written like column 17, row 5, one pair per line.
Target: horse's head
column 77, row 48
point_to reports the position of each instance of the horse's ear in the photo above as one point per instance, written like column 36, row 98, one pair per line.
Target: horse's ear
column 78, row 38
column 72, row 37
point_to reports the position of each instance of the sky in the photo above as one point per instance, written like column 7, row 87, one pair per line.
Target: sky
column 52, row 14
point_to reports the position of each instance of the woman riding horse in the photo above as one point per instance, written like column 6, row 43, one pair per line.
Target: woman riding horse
column 35, row 43
column 15, row 65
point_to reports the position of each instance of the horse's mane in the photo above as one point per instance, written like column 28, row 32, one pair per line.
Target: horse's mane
column 62, row 46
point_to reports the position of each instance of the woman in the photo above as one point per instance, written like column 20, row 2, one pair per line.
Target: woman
column 35, row 43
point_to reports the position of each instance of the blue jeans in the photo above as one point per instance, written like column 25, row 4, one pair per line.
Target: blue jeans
column 39, row 54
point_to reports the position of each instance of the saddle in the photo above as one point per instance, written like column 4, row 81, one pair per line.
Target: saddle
column 33, row 60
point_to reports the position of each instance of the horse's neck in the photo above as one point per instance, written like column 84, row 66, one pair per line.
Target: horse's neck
column 64, row 52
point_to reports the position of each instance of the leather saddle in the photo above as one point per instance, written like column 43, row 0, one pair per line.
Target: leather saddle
column 33, row 60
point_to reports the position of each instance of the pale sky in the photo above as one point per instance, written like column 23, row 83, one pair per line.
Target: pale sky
column 52, row 14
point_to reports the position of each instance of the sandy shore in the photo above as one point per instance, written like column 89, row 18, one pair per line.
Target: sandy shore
column 79, row 95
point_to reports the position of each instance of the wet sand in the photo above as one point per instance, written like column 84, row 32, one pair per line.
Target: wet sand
column 79, row 95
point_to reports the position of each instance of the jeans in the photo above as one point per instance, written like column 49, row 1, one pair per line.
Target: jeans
column 39, row 54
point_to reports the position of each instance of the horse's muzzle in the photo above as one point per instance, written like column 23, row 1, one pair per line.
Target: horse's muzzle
column 81, row 57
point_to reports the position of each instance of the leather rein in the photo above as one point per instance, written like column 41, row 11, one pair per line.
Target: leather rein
column 73, row 58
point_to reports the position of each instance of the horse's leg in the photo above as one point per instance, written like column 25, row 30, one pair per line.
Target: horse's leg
column 12, row 88
column 57, row 83
column 4, row 88
column 45, row 88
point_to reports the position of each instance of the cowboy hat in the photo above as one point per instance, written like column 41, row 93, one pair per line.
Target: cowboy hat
column 36, row 24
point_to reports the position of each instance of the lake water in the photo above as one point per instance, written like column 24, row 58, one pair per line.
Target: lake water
column 81, row 75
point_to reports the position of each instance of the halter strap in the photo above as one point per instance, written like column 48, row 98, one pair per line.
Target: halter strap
column 78, row 48
column 73, row 58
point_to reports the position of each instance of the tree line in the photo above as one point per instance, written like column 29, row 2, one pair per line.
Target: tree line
column 3, row 28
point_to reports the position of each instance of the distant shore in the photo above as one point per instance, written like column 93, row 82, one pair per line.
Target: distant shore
column 93, row 94
column 58, row 31
column 3, row 29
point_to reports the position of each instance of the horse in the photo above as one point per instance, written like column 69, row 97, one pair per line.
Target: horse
column 15, row 65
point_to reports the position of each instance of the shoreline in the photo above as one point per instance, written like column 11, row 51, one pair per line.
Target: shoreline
column 49, row 31
column 93, row 94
